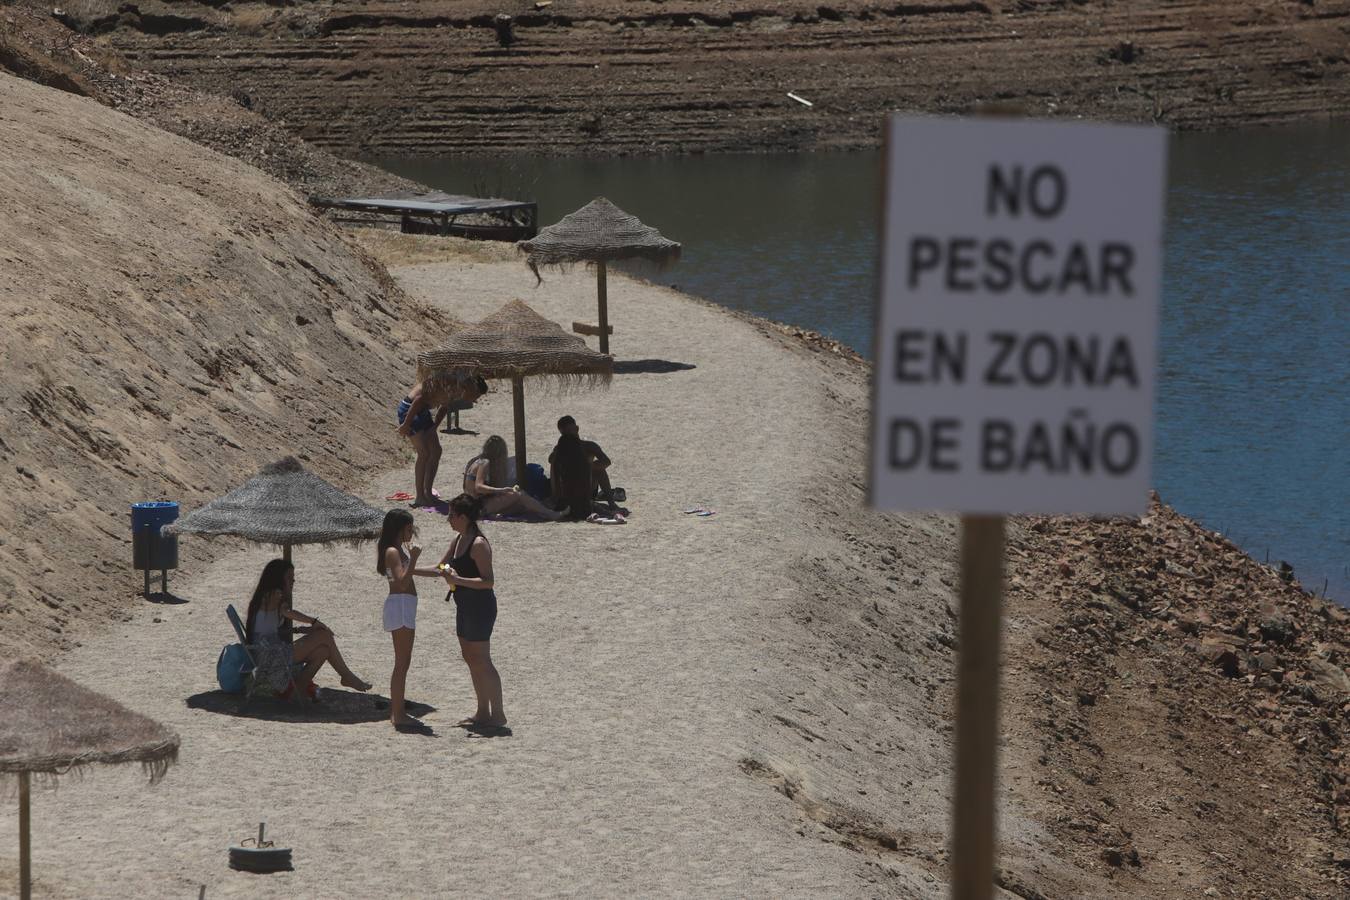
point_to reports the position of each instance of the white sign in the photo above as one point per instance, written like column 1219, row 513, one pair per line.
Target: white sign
column 1017, row 321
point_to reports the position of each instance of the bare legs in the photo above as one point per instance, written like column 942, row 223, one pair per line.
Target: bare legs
column 317, row 648
column 518, row 504
column 487, row 684
column 403, row 645
column 428, row 449
column 433, row 462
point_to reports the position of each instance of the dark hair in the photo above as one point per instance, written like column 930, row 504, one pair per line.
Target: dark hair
column 566, row 421
column 480, row 384
column 394, row 522
column 273, row 578
column 468, row 506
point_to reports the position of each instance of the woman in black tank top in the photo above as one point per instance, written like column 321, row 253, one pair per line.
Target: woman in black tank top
column 467, row 566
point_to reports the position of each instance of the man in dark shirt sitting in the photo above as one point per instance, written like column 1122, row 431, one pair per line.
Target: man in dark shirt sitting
column 599, row 462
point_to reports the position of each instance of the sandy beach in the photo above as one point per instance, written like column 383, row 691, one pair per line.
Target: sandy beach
column 630, row 656
column 752, row 703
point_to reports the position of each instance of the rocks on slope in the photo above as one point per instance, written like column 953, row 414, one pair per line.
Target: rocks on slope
column 1174, row 712
column 173, row 318
column 1186, row 708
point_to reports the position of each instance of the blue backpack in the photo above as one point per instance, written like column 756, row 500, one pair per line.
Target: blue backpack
column 232, row 667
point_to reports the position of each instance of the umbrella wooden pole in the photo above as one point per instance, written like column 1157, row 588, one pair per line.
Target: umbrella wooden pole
column 25, row 842
column 286, row 552
column 518, row 404
column 601, row 295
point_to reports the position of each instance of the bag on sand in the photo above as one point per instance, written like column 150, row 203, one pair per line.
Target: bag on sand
column 536, row 481
column 230, row 668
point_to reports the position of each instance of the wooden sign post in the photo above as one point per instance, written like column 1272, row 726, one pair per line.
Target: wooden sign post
column 1016, row 338
column 977, row 690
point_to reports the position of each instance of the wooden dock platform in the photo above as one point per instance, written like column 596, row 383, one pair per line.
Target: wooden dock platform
column 440, row 213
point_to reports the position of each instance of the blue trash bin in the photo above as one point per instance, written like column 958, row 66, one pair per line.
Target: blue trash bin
column 150, row 548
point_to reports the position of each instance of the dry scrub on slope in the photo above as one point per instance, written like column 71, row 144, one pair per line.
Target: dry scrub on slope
column 173, row 318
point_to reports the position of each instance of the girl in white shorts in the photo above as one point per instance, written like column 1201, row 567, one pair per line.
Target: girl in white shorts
column 399, row 566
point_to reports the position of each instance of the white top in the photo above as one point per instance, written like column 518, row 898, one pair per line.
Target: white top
column 267, row 624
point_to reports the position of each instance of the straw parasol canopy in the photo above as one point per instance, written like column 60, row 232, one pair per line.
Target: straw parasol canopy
column 49, row 726
column 598, row 233
column 285, row 504
column 517, row 343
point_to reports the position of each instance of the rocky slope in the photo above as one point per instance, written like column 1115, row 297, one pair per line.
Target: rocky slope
column 408, row 77
column 1175, row 714
column 173, row 319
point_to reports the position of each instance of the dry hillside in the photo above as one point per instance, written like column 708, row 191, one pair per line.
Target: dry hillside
column 173, row 318
column 405, row 77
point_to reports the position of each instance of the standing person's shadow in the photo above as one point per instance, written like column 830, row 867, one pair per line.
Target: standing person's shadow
column 487, row 731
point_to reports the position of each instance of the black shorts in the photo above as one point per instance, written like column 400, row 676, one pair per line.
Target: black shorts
column 475, row 614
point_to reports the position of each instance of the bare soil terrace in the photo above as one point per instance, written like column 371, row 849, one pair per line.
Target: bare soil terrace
column 403, row 77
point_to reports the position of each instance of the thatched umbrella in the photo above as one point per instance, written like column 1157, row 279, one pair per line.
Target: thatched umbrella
column 597, row 233
column 517, row 343
column 284, row 504
column 50, row 725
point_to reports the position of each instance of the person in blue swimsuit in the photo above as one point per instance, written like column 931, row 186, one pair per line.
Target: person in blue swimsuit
column 416, row 422
column 468, row 571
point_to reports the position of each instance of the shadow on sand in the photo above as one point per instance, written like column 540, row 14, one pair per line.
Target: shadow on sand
column 161, row 597
column 487, row 731
column 335, row 706
column 649, row 367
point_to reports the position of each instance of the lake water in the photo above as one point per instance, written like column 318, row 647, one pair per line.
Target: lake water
column 1253, row 411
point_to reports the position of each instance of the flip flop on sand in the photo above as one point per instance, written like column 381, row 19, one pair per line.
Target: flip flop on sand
column 597, row 519
column 400, row 495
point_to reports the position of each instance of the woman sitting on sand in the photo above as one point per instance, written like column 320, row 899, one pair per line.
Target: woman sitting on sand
column 468, row 571
column 485, row 479
column 271, row 621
